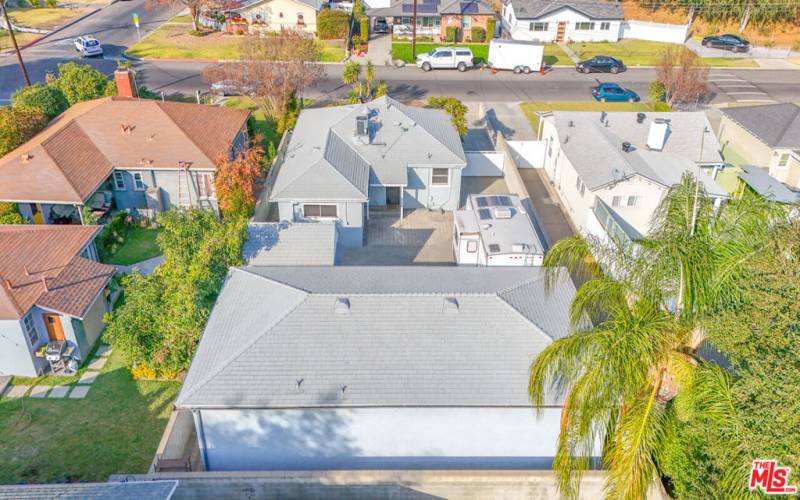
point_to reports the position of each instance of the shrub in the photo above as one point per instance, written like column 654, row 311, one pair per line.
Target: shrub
column 363, row 28
column 9, row 214
column 451, row 34
column 478, row 34
column 332, row 24
column 46, row 98
column 657, row 91
column 81, row 82
column 356, row 40
column 490, row 28
column 17, row 125
column 455, row 108
column 51, row 3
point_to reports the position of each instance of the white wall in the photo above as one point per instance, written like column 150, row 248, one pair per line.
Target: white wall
column 15, row 352
column 419, row 193
column 528, row 154
column 519, row 29
column 484, row 164
column 657, row 32
column 373, row 438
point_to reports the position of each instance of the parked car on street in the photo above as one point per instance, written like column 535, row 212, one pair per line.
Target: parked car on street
column 520, row 56
column 600, row 64
column 446, row 58
column 734, row 43
column 381, row 26
column 611, row 92
column 230, row 88
column 88, row 46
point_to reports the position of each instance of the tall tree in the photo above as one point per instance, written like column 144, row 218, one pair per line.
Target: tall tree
column 236, row 179
column 683, row 74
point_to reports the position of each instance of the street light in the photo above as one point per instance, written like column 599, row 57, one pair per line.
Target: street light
column 14, row 42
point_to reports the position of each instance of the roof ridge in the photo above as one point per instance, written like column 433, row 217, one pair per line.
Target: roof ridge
column 332, row 132
column 213, row 373
column 71, row 122
column 402, row 107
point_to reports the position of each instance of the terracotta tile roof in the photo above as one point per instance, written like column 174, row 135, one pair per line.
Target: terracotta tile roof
column 29, row 253
column 69, row 159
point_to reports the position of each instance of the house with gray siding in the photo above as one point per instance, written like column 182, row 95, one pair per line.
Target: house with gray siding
column 52, row 288
column 313, row 367
column 344, row 161
column 124, row 153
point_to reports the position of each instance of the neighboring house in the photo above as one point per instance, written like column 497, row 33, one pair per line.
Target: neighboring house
column 274, row 15
column 760, row 182
column 376, row 368
column 342, row 161
column 496, row 230
column 121, row 152
column 767, row 136
column 611, row 170
column 51, row 288
column 434, row 17
column 290, row 244
column 562, row 20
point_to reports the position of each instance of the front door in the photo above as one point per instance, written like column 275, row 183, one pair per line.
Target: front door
column 393, row 196
column 562, row 30
column 53, row 324
column 37, row 214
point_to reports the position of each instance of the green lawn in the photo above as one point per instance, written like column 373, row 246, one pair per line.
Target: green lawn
column 22, row 39
column 644, row 53
column 331, row 51
column 140, row 244
column 259, row 122
column 44, row 17
column 173, row 41
column 530, row 108
column 553, row 55
column 115, row 429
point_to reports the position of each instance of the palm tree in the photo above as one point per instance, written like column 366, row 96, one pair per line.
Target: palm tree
column 631, row 366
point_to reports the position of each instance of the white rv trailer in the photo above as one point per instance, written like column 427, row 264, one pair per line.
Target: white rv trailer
column 495, row 230
column 520, row 56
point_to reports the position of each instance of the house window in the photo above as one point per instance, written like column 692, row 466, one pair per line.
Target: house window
column 119, row 181
column 784, row 160
column 138, row 183
column 319, row 211
column 205, row 186
column 605, row 26
column 616, row 201
column 584, row 26
column 538, row 27
column 440, row 177
column 580, row 186
column 30, row 329
column 300, row 21
column 472, row 246
column 633, row 201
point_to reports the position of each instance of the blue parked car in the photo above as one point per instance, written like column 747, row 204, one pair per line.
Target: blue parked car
column 611, row 92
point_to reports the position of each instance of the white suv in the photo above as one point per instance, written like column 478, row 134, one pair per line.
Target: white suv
column 446, row 57
column 88, row 46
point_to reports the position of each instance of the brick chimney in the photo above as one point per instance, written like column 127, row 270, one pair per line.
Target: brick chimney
column 126, row 86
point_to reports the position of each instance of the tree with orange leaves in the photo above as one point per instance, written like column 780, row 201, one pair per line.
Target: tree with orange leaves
column 236, row 180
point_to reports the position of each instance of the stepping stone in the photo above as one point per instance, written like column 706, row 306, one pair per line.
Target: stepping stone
column 16, row 391
column 98, row 363
column 88, row 378
column 59, row 391
column 79, row 392
column 103, row 350
column 40, row 391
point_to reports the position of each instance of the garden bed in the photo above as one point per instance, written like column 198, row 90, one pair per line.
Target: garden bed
column 122, row 242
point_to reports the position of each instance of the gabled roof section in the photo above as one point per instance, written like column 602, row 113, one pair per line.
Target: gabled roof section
column 290, row 244
column 767, row 186
column 598, row 9
column 290, row 337
column 777, row 125
column 83, row 166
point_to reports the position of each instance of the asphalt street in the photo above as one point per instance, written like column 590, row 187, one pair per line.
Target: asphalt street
column 114, row 27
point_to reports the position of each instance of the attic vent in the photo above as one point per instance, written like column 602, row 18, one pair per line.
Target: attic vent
column 342, row 306
column 502, row 212
column 494, row 248
column 640, row 117
column 657, row 136
column 450, row 305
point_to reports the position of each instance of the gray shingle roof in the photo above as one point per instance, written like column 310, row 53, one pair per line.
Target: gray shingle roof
column 396, row 345
column 244, row 6
column 595, row 150
column 472, row 7
column 766, row 185
column 777, row 125
column 132, row 490
column 290, row 244
column 324, row 160
column 599, row 9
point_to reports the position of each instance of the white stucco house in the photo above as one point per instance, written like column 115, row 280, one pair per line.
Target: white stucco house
column 611, row 170
column 343, row 161
column 562, row 20
column 303, row 368
column 256, row 16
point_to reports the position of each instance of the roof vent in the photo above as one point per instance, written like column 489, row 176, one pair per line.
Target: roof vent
column 571, row 124
column 626, row 146
column 25, row 157
column 450, row 305
column 300, row 383
column 342, row 306
column 362, row 128
column 603, row 116
column 657, row 136
column 126, row 129
column 502, row 212
column 519, row 248
column 640, row 117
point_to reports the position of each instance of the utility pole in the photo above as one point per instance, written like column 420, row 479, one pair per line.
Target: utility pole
column 14, row 42
column 413, row 32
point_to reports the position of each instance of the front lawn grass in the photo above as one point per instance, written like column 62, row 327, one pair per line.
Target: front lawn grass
column 22, row 39
column 173, row 41
column 140, row 244
column 115, row 429
column 331, row 51
column 555, row 56
column 645, row 53
column 45, row 18
column 730, row 62
column 529, row 109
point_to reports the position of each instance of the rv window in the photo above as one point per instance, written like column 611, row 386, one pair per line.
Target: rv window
column 472, row 246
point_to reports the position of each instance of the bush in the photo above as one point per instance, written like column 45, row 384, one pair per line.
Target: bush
column 332, row 24
column 113, row 235
column 81, row 82
column 46, row 98
column 363, row 28
column 451, row 34
column 478, row 34
column 490, row 28
column 455, row 108
column 9, row 214
column 657, row 91
column 356, row 40
column 17, row 125
column 51, row 3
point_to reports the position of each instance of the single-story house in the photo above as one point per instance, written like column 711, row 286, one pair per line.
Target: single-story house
column 343, row 161
column 304, row 368
column 611, row 170
column 52, row 288
column 767, row 136
column 434, row 17
column 121, row 152
column 290, row 244
column 562, row 20
column 255, row 16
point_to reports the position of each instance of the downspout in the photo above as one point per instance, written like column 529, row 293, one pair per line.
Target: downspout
column 201, row 436
column 79, row 208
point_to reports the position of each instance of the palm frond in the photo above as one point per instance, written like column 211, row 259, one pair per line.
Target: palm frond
column 575, row 255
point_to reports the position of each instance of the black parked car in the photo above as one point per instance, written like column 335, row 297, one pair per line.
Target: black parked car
column 733, row 43
column 600, row 64
column 381, row 26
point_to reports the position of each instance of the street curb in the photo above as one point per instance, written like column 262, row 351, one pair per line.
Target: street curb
column 158, row 59
column 60, row 28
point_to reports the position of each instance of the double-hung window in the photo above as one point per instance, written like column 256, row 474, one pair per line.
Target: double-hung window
column 138, row 182
column 119, row 181
column 440, row 177
column 538, row 27
column 784, row 160
column 605, row 26
column 616, row 201
column 319, row 211
column 633, row 201
column 30, row 329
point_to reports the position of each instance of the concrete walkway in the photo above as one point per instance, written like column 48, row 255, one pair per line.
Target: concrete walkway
column 568, row 51
column 379, row 51
column 145, row 267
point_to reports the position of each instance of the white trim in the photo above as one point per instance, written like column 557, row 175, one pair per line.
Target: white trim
column 140, row 181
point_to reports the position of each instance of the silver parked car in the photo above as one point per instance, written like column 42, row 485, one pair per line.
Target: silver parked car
column 88, row 46
column 446, row 57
